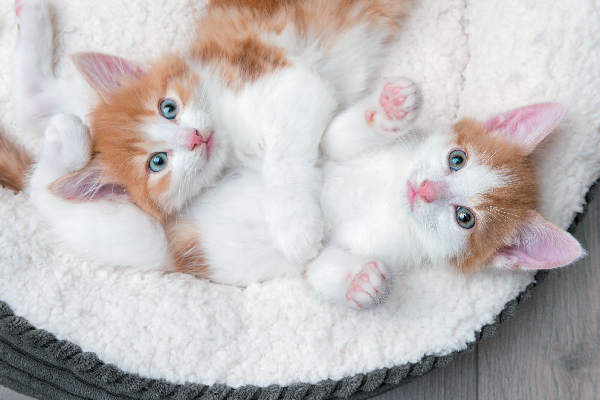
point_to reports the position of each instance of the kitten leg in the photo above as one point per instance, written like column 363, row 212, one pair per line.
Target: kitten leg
column 38, row 94
column 292, row 125
column 381, row 118
column 345, row 278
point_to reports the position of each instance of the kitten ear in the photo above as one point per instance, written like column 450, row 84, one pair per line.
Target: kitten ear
column 105, row 72
column 529, row 125
column 539, row 245
column 87, row 184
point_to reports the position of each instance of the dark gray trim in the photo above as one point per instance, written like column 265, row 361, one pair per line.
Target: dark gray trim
column 35, row 363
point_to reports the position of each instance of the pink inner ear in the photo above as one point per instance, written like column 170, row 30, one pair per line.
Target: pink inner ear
column 104, row 71
column 539, row 245
column 86, row 185
column 529, row 125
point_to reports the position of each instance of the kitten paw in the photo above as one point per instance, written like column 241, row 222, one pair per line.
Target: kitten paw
column 397, row 105
column 67, row 144
column 34, row 17
column 32, row 65
column 297, row 227
column 369, row 287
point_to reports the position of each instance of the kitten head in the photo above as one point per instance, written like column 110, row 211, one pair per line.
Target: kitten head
column 154, row 140
column 475, row 202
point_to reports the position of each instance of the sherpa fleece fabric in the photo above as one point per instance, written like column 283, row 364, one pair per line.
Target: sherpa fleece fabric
column 471, row 57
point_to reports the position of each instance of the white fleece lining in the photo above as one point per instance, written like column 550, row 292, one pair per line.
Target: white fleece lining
column 471, row 57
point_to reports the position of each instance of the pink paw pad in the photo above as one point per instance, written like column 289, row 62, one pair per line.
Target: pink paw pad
column 368, row 287
column 391, row 99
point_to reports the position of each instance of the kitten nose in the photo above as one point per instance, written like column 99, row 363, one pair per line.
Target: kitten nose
column 430, row 191
column 190, row 138
column 196, row 139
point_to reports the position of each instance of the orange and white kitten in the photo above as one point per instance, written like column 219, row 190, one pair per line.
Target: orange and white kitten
column 257, row 88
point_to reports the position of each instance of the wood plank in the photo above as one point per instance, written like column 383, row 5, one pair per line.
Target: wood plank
column 456, row 381
column 550, row 350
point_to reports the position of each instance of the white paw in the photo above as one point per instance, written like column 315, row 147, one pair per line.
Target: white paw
column 369, row 286
column 32, row 64
column 67, row 144
column 396, row 105
column 33, row 19
column 297, row 227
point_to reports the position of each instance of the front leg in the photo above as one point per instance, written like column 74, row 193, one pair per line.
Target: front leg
column 39, row 94
column 292, row 127
column 381, row 118
column 292, row 211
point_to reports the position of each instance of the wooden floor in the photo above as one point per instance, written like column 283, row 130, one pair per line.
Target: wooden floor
column 548, row 351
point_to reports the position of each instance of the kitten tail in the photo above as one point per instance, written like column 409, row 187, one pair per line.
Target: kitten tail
column 15, row 164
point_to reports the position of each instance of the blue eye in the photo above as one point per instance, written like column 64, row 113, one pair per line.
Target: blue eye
column 168, row 108
column 465, row 217
column 157, row 162
column 457, row 159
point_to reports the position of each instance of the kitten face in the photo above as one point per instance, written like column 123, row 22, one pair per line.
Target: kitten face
column 470, row 198
column 155, row 136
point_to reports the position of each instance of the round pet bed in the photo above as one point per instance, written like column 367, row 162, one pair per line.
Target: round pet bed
column 70, row 329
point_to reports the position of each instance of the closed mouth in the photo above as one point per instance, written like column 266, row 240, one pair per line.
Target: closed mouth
column 410, row 194
column 209, row 144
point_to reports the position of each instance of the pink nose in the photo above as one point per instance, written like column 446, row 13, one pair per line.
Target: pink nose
column 189, row 138
column 195, row 139
column 429, row 191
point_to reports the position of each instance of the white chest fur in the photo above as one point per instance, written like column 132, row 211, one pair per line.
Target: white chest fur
column 365, row 205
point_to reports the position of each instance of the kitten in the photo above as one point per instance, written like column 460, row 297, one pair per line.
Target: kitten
column 393, row 199
column 257, row 88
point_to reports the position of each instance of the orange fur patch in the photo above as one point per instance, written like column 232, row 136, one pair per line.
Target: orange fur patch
column 184, row 246
column 15, row 163
column 502, row 211
column 231, row 37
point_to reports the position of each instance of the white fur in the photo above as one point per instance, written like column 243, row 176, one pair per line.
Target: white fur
column 235, row 237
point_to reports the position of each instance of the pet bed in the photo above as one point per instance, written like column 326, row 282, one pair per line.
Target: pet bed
column 70, row 329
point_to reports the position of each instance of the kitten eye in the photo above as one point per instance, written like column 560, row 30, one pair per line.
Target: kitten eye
column 457, row 159
column 465, row 217
column 157, row 162
column 168, row 108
